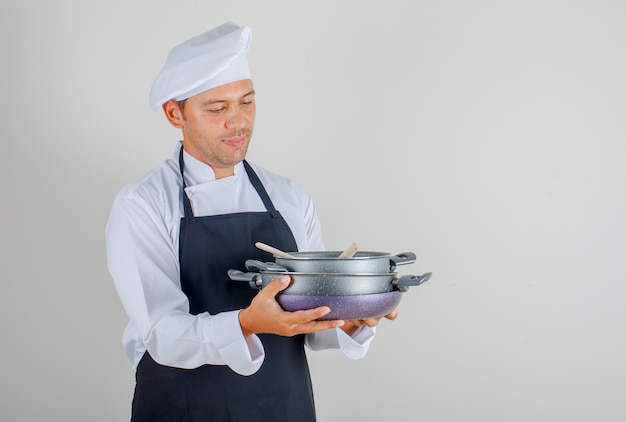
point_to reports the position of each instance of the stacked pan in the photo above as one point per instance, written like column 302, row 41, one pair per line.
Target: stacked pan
column 365, row 285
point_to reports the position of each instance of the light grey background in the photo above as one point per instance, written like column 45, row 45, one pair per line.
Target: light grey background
column 486, row 136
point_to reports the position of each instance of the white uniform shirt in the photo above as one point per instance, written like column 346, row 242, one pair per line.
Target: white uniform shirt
column 142, row 254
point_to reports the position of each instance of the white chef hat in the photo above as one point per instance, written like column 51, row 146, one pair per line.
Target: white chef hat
column 205, row 61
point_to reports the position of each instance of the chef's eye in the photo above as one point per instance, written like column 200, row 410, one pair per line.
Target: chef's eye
column 217, row 110
column 246, row 103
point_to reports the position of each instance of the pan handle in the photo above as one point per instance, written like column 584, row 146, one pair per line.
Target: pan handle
column 254, row 265
column 253, row 279
column 402, row 258
column 403, row 283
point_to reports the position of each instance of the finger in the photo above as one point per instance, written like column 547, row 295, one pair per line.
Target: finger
column 276, row 286
column 316, row 326
column 305, row 322
column 370, row 322
column 321, row 325
column 303, row 317
column 392, row 315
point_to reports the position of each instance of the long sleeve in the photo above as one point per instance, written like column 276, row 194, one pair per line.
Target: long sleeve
column 143, row 261
column 354, row 347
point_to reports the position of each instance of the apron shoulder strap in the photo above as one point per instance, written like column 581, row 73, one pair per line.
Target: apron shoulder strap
column 256, row 182
column 186, row 203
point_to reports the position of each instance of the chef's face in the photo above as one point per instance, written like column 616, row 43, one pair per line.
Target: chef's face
column 217, row 124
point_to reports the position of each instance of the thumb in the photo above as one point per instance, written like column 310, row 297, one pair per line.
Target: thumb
column 277, row 285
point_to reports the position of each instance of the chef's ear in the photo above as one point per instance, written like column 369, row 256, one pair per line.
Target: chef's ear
column 174, row 113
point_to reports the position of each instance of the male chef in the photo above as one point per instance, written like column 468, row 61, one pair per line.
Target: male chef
column 206, row 348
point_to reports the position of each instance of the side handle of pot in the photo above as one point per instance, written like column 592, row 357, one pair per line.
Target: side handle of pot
column 254, row 265
column 401, row 259
column 253, row 279
column 403, row 283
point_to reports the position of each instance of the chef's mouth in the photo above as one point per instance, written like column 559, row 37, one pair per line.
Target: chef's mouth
column 238, row 140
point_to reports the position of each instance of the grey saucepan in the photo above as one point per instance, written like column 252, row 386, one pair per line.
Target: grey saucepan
column 332, row 284
column 356, row 306
column 329, row 262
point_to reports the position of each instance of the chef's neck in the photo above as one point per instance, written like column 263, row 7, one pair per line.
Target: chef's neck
column 222, row 172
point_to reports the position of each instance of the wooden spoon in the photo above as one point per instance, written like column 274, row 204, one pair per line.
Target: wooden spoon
column 349, row 251
column 277, row 252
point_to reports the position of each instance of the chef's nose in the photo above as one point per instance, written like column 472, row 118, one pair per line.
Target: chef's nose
column 235, row 120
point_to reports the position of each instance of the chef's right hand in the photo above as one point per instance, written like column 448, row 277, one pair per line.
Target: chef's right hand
column 265, row 316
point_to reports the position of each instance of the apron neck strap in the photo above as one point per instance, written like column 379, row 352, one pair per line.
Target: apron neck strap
column 260, row 189
column 186, row 203
column 254, row 179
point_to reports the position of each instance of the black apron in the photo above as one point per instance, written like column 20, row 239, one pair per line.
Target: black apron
column 281, row 389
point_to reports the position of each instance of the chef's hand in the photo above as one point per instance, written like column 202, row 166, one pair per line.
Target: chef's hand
column 265, row 316
column 352, row 325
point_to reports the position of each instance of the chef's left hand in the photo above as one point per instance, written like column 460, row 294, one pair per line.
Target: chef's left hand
column 352, row 325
